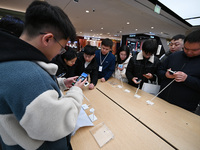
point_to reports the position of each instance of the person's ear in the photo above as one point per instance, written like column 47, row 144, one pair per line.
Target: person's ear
column 46, row 38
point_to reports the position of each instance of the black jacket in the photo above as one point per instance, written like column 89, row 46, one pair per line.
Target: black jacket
column 183, row 94
column 63, row 67
column 13, row 48
column 91, row 69
column 138, row 66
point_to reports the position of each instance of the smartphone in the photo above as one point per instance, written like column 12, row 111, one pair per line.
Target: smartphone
column 120, row 65
column 61, row 75
column 138, row 80
column 82, row 77
column 171, row 72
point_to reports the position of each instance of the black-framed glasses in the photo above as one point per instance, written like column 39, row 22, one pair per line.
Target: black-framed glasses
column 62, row 50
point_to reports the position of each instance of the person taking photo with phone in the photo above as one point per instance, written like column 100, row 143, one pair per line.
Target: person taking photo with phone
column 34, row 113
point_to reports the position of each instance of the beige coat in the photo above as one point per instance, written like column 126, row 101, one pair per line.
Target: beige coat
column 121, row 75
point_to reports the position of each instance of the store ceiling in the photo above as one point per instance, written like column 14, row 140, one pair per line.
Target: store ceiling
column 109, row 18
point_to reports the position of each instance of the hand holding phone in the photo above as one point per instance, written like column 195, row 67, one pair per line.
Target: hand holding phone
column 171, row 72
column 82, row 77
column 138, row 80
column 120, row 66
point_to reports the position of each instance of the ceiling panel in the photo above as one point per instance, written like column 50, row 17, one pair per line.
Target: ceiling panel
column 112, row 16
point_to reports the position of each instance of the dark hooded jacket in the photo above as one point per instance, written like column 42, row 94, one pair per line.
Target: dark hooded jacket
column 63, row 68
column 33, row 113
column 91, row 69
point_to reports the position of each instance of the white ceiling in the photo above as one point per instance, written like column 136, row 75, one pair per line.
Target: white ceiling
column 112, row 16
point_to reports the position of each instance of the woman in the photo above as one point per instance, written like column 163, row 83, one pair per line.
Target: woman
column 123, row 57
column 66, row 63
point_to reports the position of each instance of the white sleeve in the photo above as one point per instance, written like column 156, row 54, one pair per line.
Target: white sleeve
column 49, row 118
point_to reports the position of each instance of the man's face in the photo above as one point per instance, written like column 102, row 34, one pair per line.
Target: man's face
column 105, row 49
column 88, row 58
column 192, row 49
column 176, row 45
column 146, row 55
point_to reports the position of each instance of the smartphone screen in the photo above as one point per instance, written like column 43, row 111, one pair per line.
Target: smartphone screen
column 120, row 65
column 82, row 76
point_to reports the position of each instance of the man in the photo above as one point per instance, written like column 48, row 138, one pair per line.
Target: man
column 184, row 91
column 105, row 60
column 86, row 62
column 176, row 44
column 12, row 25
column 34, row 114
column 143, row 66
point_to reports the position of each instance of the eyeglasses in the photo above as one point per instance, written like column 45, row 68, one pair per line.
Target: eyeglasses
column 63, row 50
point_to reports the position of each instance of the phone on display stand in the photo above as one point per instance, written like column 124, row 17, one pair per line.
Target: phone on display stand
column 171, row 72
column 138, row 80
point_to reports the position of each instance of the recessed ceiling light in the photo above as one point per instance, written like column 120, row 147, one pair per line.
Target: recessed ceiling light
column 101, row 28
column 90, row 30
column 152, row 27
column 87, row 11
column 128, row 23
column 120, row 31
column 136, row 29
column 76, row 1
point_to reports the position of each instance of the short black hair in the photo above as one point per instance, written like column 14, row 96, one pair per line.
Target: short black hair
column 42, row 17
column 70, row 54
column 89, row 50
column 193, row 37
column 178, row 36
column 107, row 42
column 12, row 25
column 150, row 46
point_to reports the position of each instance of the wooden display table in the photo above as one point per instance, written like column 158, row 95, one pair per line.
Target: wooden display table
column 128, row 133
column 174, row 125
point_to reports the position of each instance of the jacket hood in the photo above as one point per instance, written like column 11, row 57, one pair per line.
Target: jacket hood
column 12, row 48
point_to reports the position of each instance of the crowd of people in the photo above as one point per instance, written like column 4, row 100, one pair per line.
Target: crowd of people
column 38, row 66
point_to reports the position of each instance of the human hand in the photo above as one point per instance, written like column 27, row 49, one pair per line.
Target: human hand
column 68, row 81
column 120, row 68
column 135, row 80
column 80, row 83
column 103, row 80
column 148, row 76
column 91, row 86
column 180, row 76
column 169, row 75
